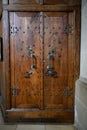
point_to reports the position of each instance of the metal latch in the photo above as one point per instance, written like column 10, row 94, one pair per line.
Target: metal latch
column 15, row 91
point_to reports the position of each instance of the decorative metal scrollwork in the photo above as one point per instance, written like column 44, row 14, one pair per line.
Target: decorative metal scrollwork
column 27, row 75
column 31, row 54
column 51, row 55
column 68, row 29
column 50, row 71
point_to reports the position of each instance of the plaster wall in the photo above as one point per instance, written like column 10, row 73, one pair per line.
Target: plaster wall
column 81, row 83
column 83, row 62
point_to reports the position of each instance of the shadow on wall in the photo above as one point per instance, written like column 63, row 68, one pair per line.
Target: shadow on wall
column 84, row 3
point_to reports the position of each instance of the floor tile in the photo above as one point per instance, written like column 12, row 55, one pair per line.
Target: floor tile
column 59, row 127
column 67, row 127
column 7, row 127
column 53, row 127
column 30, row 127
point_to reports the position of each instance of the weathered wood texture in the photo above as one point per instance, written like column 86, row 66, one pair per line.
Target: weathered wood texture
column 48, row 2
column 2, row 82
column 40, row 116
column 66, row 2
column 44, row 8
column 41, row 54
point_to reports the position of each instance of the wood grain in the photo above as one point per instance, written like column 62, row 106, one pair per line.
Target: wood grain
column 68, row 2
column 6, row 59
column 19, row 7
column 27, row 24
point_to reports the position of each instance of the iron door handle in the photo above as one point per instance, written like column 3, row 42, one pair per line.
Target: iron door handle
column 31, row 54
column 50, row 71
column 33, row 61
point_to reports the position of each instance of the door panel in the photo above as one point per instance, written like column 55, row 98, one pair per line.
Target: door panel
column 55, row 39
column 25, row 58
column 42, row 59
column 24, row 1
column 69, row 2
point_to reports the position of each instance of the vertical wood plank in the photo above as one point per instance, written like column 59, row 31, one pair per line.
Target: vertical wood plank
column 77, row 44
column 6, row 56
column 71, row 44
column 12, row 62
column 42, row 64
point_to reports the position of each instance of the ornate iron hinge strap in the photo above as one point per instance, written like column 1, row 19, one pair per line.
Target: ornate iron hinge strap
column 67, row 92
column 15, row 91
column 68, row 29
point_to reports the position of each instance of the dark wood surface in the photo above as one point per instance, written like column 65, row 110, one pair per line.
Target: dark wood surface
column 66, row 2
column 44, row 8
column 6, row 59
column 43, row 28
column 36, row 116
column 48, row 2
column 0, row 36
column 30, row 32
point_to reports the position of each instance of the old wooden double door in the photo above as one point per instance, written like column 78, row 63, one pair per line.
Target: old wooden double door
column 42, row 60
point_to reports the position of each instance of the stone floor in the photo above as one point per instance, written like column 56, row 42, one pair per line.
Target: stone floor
column 4, row 126
column 36, row 127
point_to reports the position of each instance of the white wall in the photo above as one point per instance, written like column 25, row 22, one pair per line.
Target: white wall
column 81, row 84
column 83, row 63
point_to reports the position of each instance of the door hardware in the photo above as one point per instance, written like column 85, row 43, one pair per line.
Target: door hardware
column 68, row 29
column 51, row 72
column 14, row 29
column 49, row 67
column 15, row 91
column 29, row 50
column 51, row 55
column 31, row 54
column 28, row 74
column 33, row 61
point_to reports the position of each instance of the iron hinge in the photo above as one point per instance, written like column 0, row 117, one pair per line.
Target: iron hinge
column 67, row 92
column 68, row 29
column 15, row 91
column 13, row 29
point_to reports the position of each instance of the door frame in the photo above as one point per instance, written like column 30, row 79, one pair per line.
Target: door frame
column 6, row 106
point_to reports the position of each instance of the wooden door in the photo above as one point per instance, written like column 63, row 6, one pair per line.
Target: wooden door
column 25, row 57
column 58, row 59
column 66, row 2
column 23, row 2
column 41, row 48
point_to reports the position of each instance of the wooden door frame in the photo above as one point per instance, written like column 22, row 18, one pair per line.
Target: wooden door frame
column 6, row 40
